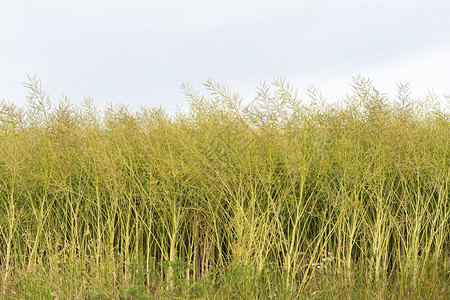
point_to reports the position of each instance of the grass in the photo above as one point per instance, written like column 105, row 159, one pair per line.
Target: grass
column 279, row 199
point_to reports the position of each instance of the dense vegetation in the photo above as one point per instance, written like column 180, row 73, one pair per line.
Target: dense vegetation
column 278, row 199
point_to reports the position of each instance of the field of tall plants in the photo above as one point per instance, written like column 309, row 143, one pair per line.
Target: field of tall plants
column 283, row 198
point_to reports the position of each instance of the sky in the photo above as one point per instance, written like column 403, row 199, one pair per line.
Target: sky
column 140, row 52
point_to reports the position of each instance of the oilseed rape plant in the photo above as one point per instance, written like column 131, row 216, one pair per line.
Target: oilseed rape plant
column 282, row 198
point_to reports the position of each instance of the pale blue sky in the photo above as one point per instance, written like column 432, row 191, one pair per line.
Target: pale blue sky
column 139, row 52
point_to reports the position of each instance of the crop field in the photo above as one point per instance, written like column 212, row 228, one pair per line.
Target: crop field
column 283, row 198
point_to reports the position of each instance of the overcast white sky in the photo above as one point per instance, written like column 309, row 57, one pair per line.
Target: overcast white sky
column 139, row 52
